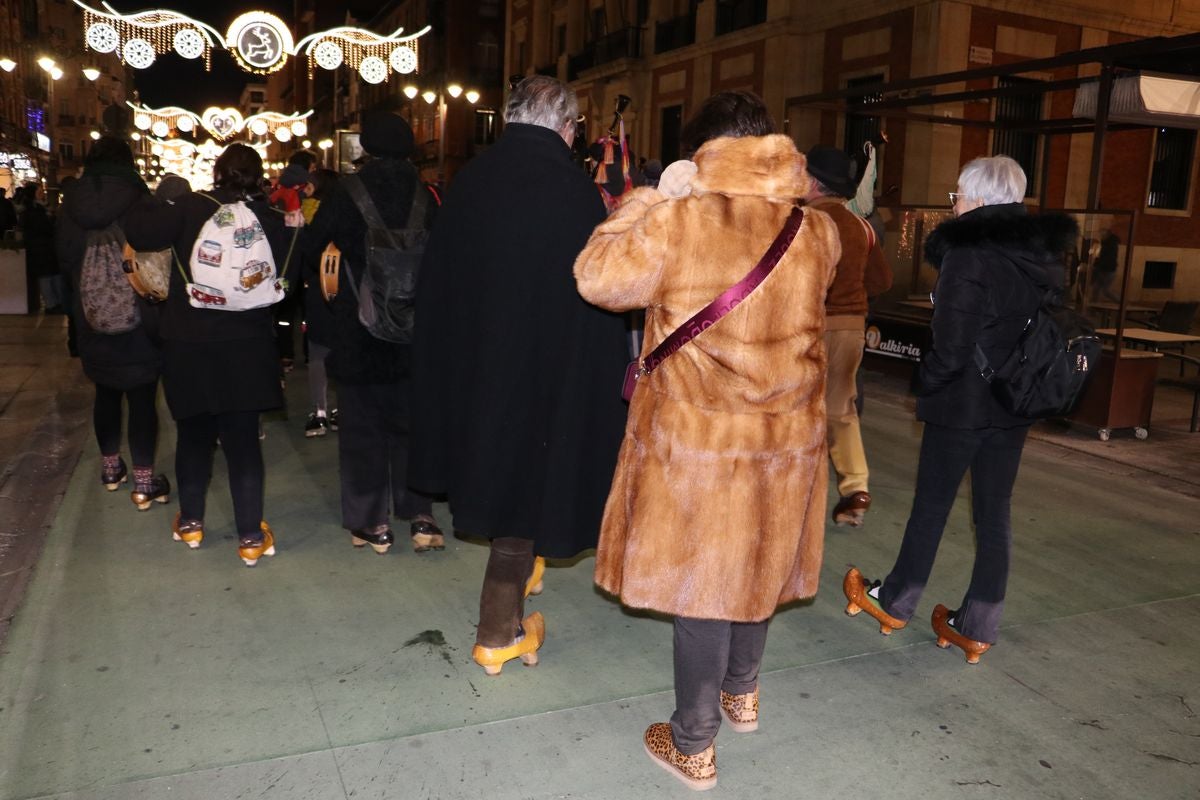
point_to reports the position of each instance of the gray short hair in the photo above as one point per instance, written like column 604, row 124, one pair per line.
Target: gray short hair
column 542, row 100
column 994, row 180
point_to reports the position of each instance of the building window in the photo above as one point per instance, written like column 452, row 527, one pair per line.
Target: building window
column 1159, row 275
column 489, row 8
column 599, row 23
column 66, row 151
column 485, row 126
column 672, row 125
column 257, row 96
column 733, row 15
column 1171, row 174
column 1020, row 145
column 489, row 51
column 861, row 128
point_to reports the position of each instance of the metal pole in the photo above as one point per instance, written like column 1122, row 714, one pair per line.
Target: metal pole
column 1103, row 93
column 441, row 173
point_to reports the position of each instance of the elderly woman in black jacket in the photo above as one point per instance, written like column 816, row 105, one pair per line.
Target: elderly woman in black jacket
column 995, row 263
column 220, row 368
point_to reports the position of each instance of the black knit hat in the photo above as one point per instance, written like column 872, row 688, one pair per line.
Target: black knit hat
column 386, row 135
column 834, row 169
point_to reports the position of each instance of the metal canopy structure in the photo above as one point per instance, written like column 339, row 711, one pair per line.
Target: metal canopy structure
column 1177, row 55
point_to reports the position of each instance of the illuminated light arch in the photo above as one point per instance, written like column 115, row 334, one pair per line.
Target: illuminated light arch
column 352, row 46
column 109, row 31
column 221, row 123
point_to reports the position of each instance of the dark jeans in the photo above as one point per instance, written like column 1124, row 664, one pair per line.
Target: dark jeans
column 711, row 655
column 993, row 456
column 502, row 599
column 143, row 421
column 238, row 433
column 373, row 454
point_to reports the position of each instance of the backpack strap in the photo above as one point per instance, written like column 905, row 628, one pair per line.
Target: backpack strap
column 364, row 203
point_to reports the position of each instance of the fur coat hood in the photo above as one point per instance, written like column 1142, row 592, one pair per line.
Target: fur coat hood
column 1009, row 228
column 717, row 508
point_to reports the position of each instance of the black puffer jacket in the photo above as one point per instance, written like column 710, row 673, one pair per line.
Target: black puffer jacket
column 92, row 203
column 995, row 263
column 357, row 356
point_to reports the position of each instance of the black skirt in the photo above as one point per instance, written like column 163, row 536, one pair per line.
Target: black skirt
column 220, row 377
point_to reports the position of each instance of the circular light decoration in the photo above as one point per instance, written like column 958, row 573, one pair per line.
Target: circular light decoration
column 259, row 127
column 185, row 124
column 160, row 129
column 188, row 43
column 260, row 42
column 102, row 37
column 142, row 122
column 299, row 127
column 403, row 60
column 328, row 55
column 373, row 69
column 138, row 53
column 283, row 134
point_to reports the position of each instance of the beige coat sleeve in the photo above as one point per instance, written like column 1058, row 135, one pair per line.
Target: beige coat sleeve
column 621, row 266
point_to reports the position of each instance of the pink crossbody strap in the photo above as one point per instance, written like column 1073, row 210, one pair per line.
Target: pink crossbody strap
column 727, row 300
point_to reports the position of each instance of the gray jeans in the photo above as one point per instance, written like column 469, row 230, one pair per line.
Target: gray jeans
column 710, row 656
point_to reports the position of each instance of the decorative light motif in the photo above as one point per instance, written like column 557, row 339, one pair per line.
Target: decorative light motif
column 159, row 31
column 221, row 123
column 7, row 64
column 373, row 69
column 91, row 73
column 260, row 42
column 356, row 47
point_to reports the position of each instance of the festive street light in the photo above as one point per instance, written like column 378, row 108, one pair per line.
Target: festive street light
column 7, row 64
column 430, row 96
column 91, row 73
column 54, row 73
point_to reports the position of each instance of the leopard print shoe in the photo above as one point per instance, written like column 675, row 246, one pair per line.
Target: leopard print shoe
column 741, row 710
column 698, row 772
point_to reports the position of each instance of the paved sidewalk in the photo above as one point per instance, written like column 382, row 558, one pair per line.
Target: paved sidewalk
column 139, row 669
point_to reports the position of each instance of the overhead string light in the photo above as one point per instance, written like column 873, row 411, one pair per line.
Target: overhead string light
column 138, row 39
column 221, row 123
column 372, row 56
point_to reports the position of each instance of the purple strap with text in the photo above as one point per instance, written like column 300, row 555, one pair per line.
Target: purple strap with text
column 728, row 299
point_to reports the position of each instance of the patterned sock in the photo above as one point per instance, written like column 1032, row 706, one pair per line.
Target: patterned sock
column 143, row 476
column 111, row 463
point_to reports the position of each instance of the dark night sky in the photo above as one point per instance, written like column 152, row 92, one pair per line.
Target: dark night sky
column 173, row 80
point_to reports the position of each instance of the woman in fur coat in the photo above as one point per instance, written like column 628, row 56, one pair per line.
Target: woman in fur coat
column 995, row 262
column 716, row 514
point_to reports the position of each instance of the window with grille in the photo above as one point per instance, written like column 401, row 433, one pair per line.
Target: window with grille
column 1171, row 173
column 1159, row 275
column 861, row 128
column 485, row 126
column 1019, row 110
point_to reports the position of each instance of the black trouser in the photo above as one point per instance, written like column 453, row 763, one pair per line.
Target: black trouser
column 238, row 433
column 373, row 454
column 993, row 456
column 143, row 421
column 711, row 655
column 502, row 599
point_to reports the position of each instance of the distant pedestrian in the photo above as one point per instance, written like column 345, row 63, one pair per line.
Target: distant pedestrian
column 124, row 366
column 318, row 319
column 862, row 273
column 517, row 414
column 995, row 262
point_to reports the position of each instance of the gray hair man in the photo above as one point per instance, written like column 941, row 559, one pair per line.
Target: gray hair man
column 517, row 416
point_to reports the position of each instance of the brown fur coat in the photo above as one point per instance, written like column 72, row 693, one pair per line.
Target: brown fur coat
column 717, row 507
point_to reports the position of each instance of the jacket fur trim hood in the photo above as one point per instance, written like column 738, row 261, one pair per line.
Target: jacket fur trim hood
column 1007, row 227
column 759, row 166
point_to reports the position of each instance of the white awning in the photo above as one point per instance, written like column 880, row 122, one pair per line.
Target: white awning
column 1145, row 99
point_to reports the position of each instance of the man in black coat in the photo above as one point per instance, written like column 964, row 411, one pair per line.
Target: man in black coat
column 372, row 374
column 517, row 414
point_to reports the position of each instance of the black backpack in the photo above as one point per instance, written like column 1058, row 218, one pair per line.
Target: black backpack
column 1046, row 371
column 389, row 280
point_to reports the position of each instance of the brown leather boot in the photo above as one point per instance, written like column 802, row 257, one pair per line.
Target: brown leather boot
column 851, row 510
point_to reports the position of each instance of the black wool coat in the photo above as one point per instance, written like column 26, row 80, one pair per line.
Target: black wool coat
column 214, row 361
column 517, row 413
column 357, row 356
column 123, row 360
column 994, row 265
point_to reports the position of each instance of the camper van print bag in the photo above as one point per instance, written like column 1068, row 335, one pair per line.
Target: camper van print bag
column 231, row 263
